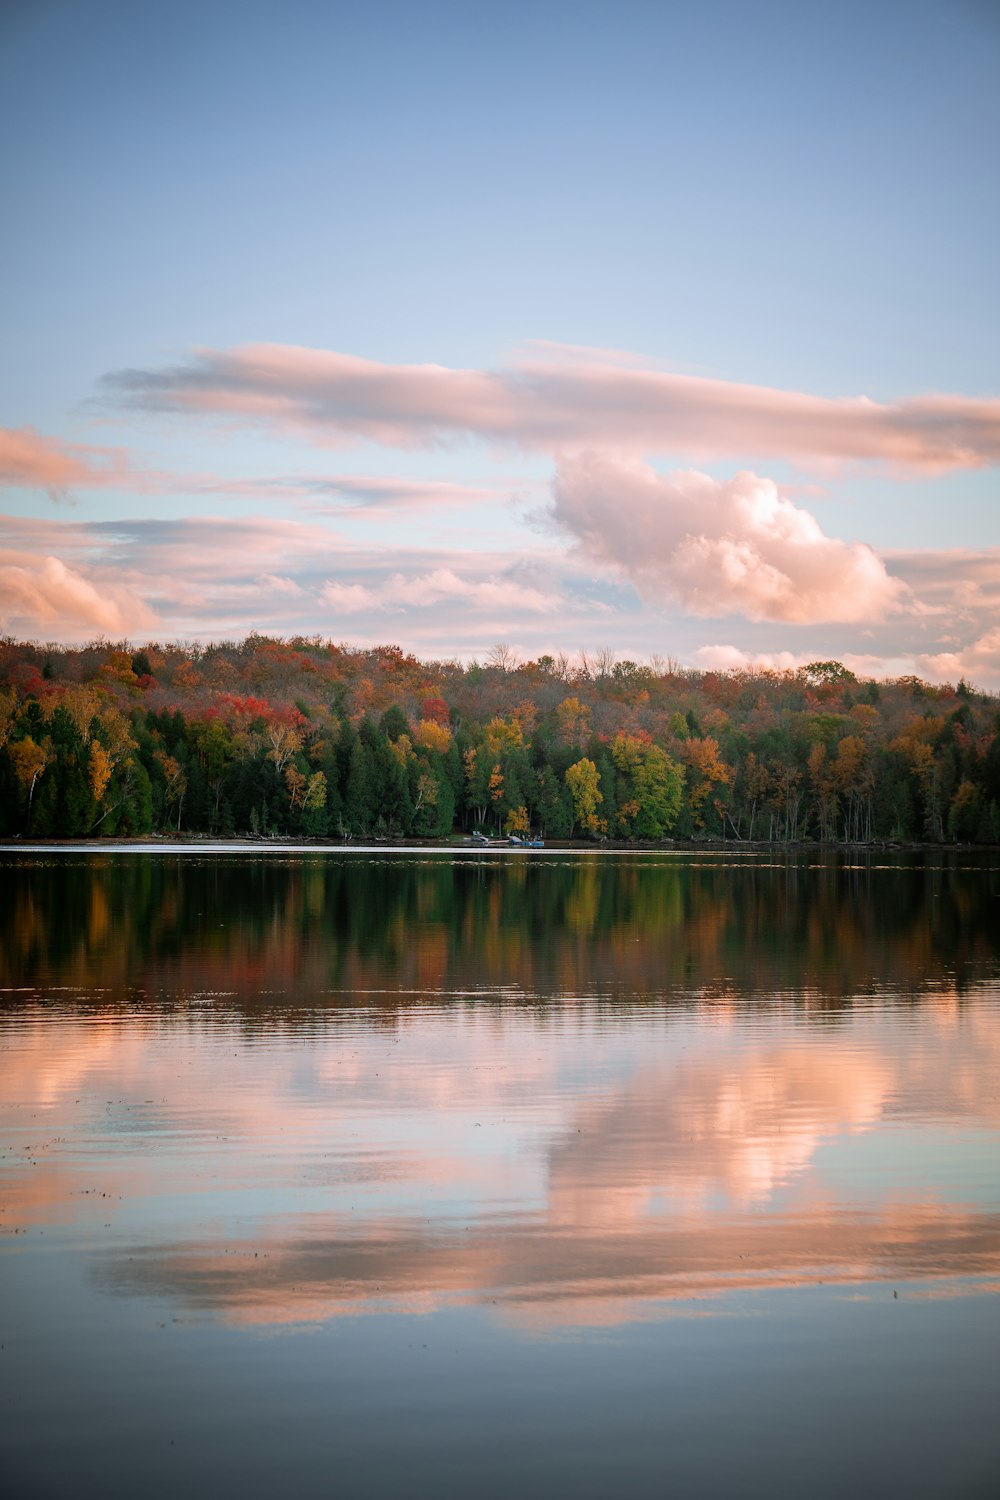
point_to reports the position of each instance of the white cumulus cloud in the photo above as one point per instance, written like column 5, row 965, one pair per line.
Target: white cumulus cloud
column 719, row 547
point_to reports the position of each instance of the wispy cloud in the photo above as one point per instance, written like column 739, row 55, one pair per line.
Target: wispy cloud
column 560, row 400
column 214, row 577
column 30, row 460
column 400, row 494
column 217, row 575
column 445, row 586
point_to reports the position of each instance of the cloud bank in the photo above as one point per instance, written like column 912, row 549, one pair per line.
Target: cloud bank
column 212, row 576
column 719, row 548
column 216, row 577
column 443, row 586
column 654, row 552
column 553, row 402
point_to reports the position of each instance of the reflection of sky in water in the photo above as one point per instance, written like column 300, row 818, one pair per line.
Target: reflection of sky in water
column 553, row 1246
column 559, row 1164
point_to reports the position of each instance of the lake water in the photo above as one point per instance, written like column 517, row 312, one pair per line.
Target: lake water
column 488, row 1174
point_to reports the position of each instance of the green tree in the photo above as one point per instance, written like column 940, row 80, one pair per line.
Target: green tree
column 651, row 787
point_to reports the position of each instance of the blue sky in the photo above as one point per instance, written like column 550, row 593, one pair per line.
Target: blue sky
column 769, row 195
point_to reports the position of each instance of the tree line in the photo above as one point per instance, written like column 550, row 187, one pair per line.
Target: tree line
column 306, row 738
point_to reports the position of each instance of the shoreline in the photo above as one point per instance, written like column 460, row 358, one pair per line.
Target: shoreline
column 189, row 843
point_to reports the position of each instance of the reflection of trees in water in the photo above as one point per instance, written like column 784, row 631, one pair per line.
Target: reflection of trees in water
column 274, row 928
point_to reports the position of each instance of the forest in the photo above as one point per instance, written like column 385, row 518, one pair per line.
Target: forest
column 305, row 738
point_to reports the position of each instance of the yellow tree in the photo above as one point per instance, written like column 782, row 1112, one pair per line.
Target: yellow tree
column 854, row 781
column 100, row 770
column 518, row 821
column 82, row 702
column 584, row 782
column 8, row 712
column 29, row 761
column 315, row 797
column 756, row 785
column 428, row 792
column 914, row 744
column 118, row 668
column 402, row 749
column 284, row 741
column 432, row 736
column 115, row 736
column 708, row 771
column 314, row 804
column 573, row 718
column 295, row 781
column 503, row 736
column 823, row 778
column 175, row 778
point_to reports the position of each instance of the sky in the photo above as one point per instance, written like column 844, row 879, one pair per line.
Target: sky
column 651, row 328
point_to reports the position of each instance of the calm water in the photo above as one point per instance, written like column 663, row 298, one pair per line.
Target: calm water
column 494, row 1175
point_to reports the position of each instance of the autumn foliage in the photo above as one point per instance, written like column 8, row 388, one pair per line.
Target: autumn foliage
column 306, row 738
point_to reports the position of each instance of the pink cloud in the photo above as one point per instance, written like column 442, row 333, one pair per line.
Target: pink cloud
column 441, row 586
column 216, row 577
column 954, row 579
column 728, row 658
column 402, row 494
column 276, row 583
column 350, row 598
column 39, row 593
column 978, row 662
column 444, row 584
column 211, row 576
column 719, row 548
column 31, row 460
column 561, row 399
column 725, row 658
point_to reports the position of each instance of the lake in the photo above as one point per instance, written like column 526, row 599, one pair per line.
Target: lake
column 484, row 1173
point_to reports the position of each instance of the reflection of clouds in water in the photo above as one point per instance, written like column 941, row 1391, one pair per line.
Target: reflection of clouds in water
column 538, row 1275
column 570, row 1167
column 47, row 1065
column 737, row 1125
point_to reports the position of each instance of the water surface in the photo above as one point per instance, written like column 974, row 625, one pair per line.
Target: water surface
column 470, row 1174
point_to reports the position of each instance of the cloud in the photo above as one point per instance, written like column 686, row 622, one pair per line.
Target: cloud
column 719, row 548
column 562, row 399
column 212, row 576
column 728, row 658
column 275, row 583
column 221, row 576
column 30, row 460
column 978, row 663
column 354, row 492
column 403, row 494
column 954, row 580
column 442, row 586
column 350, row 598
column 725, row 658
column 38, row 593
